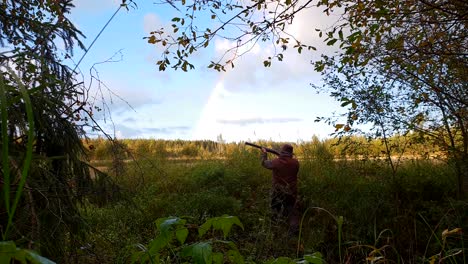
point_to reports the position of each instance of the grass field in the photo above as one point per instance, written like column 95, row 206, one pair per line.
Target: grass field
column 353, row 211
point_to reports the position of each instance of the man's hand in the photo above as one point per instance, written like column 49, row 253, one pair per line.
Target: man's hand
column 264, row 151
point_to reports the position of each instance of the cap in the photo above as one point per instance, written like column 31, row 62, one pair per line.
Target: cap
column 287, row 149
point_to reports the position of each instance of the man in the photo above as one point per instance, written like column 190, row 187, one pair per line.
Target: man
column 284, row 186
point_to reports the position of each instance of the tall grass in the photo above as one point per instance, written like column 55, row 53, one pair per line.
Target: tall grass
column 356, row 220
column 11, row 208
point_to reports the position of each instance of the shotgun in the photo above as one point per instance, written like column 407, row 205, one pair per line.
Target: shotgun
column 267, row 149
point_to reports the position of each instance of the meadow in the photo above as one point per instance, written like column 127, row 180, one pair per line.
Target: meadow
column 208, row 202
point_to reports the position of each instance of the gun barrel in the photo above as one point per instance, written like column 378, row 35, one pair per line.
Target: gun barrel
column 267, row 149
column 253, row 145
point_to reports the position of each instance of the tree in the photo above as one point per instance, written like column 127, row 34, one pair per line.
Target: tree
column 402, row 64
column 404, row 69
column 42, row 124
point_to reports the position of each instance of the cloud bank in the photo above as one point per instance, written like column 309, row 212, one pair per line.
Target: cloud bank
column 251, row 121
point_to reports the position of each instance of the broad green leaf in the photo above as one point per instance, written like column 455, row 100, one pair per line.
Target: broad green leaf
column 4, row 258
column 225, row 223
column 37, row 259
column 202, row 253
column 315, row 258
column 7, row 247
column 7, row 251
column 186, row 251
column 205, row 227
column 165, row 224
column 160, row 242
column 20, row 256
column 181, row 235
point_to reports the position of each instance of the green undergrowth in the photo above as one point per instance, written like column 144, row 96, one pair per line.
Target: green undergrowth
column 383, row 218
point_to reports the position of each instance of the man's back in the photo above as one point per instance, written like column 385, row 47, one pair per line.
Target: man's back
column 285, row 171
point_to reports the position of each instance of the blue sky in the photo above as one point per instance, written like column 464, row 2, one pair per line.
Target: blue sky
column 249, row 102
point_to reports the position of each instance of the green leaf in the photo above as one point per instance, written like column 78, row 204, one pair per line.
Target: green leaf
column 205, row 227
column 331, row 42
column 5, row 258
column 225, row 223
column 181, row 235
column 315, row 258
column 7, row 247
column 202, row 253
column 186, row 251
column 165, row 224
column 166, row 227
column 159, row 243
column 235, row 257
column 319, row 66
column 37, row 259
column 7, row 251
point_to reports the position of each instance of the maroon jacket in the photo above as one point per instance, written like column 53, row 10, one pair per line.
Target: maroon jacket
column 285, row 169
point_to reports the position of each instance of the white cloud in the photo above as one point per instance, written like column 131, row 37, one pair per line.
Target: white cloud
column 258, row 120
column 249, row 72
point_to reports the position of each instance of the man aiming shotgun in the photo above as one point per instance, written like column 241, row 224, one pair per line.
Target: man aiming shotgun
column 284, row 184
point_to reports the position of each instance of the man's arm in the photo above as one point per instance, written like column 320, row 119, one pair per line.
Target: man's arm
column 265, row 162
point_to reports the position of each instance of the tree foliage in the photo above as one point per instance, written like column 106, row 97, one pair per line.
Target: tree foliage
column 30, row 32
column 242, row 23
column 404, row 69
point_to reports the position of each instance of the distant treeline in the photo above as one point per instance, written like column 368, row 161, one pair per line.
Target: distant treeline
column 356, row 147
